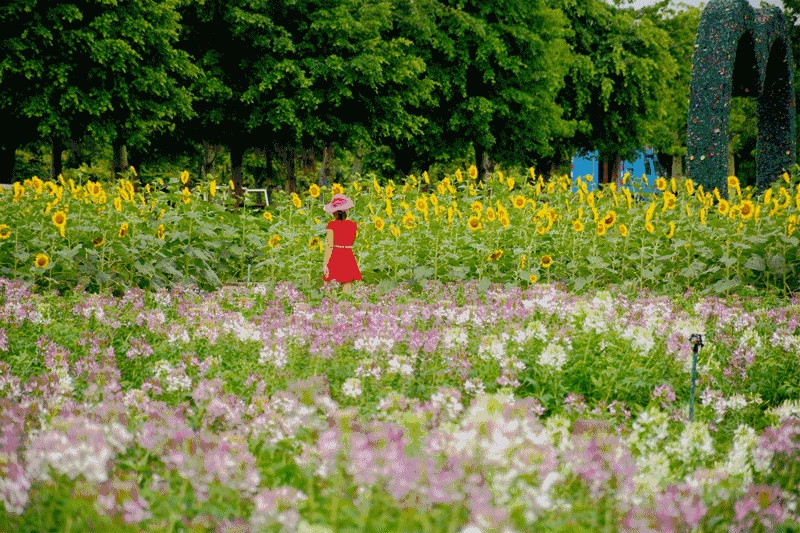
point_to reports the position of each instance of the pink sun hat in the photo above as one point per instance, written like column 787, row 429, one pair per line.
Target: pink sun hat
column 339, row 202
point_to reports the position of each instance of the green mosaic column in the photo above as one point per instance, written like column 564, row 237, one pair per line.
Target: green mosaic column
column 740, row 51
column 775, row 145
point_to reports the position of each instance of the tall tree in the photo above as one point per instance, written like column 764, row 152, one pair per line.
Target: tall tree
column 498, row 66
column 618, row 88
column 107, row 68
column 338, row 71
column 668, row 136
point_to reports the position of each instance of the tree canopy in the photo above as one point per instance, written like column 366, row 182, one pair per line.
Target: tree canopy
column 498, row 81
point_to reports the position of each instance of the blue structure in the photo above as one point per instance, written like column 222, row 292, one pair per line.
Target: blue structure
column 642, row 171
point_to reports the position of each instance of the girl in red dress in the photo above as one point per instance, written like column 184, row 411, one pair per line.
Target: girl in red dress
column 339, row 263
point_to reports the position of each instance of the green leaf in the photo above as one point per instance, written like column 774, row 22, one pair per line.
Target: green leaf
column 484, row 285
column 756, row 262
column 423, row 272
column 725, row 285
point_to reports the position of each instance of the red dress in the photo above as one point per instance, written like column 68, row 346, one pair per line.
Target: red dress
column 342, row 265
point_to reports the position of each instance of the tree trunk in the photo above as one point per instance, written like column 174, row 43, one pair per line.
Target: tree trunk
column 269, row 171
column 73, row 154
column 56, row 149
column 326, row 169
column 604, row 171
column 357, row 160
column 677, row 166
column 614, row 176
column 8, row 161
column 237, row 154
column 119, row 159
column 483, row 163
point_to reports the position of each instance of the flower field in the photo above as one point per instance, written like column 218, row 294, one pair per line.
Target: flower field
column 516, row 359
column 460, row 408
column 511, row 229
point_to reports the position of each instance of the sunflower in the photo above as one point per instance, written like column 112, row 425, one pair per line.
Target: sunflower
column 268, row 215
column 601, row 228
column 522, row 261
column 459, row 175
column 274, row 241
column 123, row 230
column 661, row 184
column 490, row 214
column 433, row 200
column 533, row 278
column 421, row 204
column 577, row 225
column 41, row 261
column 723, row 206
column 733, row 182
column 315, row 242
column 474, row 223
column 518, row 201
column 160, row 233
column 212, row 188
column 395, row 230
column 504, row 220
column 494, row 256
column 610, row 218
column 689, row 184
column 473, row 172
column 649, row 227
column 426, row 177
column 296, row 201
column 185, row 177
column 186, row 195
column 669, row 202
column 747, row 209
column 98, row 241
column 623, row 230
column 38, row 185
column 671, row 232
column 337, row 189
column 409, row 219
column 546, row 261
column 59, row 218
column 541, row 230
column 5, row 231
column 379, row 225
column 476, row 206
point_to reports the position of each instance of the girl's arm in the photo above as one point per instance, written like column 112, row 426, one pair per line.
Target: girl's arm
column 328, row 250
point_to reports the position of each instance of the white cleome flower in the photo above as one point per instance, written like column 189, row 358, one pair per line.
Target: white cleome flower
column 352, row 387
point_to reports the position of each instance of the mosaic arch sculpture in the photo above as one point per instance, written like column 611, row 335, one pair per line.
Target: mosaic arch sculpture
column 740, row 51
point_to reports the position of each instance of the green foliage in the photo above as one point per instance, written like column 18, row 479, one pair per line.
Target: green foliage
column 620, row 89
column 110, row 69
column 420, row 82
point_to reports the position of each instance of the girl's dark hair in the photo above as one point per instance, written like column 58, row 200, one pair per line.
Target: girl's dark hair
column 340, row 215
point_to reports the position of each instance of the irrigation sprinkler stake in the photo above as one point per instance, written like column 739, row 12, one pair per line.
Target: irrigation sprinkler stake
column 697, row 341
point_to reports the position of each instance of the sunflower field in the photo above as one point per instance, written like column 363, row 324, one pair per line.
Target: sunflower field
column 519, row 357
column 515, row 229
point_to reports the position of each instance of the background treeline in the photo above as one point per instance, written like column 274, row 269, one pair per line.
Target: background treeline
column 272, row 92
